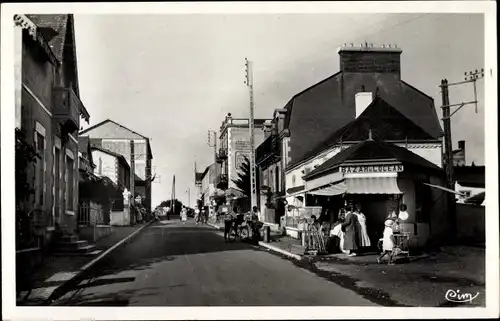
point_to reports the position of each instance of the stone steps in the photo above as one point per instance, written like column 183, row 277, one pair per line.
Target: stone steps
column 70, row 245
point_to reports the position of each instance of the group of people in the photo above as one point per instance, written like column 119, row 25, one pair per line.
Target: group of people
column 351, row 230
column 232, row 216
column 200, row 215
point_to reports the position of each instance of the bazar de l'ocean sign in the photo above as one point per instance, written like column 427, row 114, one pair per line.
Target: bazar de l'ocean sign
column 372, row 169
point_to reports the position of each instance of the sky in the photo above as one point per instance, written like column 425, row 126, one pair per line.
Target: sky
column 174, row 77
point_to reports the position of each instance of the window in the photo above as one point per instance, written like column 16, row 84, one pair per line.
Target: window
column 40, row 170
column 69, row 183
column 57, row 178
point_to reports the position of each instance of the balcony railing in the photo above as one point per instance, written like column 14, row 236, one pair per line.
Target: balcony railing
column 221, row 181
column 221, row 155
column 67, row 108
column 269, row 150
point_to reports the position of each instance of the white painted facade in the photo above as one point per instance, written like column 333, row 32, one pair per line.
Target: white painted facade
column 106, row 165
column 294, row 176
column 467, row 190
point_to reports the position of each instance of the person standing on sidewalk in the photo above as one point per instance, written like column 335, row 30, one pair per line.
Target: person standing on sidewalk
column 350, row 227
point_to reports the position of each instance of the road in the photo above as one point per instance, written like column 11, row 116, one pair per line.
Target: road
column 175, row 264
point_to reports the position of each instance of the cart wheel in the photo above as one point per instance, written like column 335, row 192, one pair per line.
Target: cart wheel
column 232, row 234
column 244, row 233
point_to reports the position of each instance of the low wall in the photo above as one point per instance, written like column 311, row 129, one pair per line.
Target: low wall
column 95, row 232
column 121, row 218
column 293, row 232
column 471, row 223
column 26, row 262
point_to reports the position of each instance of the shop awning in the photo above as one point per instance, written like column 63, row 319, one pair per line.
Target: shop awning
column 444, row 189
column 331, row 190
column 373, row 185
column 361, row 185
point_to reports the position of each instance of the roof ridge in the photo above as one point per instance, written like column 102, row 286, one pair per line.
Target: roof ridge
column 114, row 122
column 325, row 144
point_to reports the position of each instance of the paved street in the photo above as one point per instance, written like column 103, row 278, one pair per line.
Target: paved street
column 171, row 264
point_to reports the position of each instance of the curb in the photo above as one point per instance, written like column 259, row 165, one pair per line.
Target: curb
column 54, row 295
column 281, row 251
column 268, row 246
column 220, row 228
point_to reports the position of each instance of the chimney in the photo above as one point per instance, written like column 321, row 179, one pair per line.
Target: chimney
column 461, row 145
column 362, row 100
column 367, row 58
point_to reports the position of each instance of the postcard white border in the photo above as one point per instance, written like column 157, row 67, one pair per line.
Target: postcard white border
column 10, row 311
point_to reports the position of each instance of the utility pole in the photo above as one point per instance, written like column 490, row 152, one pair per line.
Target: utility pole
column 470, row 77
column 214, row 144
column 189, row 196
column 249, row 83
column 172, row 202
column 132, row 178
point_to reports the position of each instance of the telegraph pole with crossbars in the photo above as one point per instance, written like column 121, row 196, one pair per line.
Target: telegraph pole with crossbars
column 249, row 83
column 470, row 77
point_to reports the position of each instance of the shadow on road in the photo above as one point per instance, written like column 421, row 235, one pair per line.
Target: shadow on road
column 161, row 242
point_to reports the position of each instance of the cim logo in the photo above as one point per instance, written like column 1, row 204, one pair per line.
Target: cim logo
column 460, row 297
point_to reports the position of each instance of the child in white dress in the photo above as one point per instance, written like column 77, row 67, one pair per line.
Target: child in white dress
column 387, row 242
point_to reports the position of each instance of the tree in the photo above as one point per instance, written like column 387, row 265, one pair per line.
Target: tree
column 243, row 180
column 178, row 205
column 25, row 156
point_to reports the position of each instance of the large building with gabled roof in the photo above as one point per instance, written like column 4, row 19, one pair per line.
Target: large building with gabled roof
column 117, row 138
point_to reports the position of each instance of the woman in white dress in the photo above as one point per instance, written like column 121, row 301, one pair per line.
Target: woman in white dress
column 363, row 237
column 184, row 215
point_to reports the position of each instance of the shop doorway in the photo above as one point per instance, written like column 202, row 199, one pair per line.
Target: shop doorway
column 376, row 207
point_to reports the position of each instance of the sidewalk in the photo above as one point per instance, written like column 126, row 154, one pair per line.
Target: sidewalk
column 423, row 281
column 56, row 271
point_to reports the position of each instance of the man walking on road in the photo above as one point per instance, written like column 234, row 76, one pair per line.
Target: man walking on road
column 228, row 220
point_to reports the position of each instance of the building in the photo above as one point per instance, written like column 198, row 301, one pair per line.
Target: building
column 381, row 176
column 235, row 146
column 459, row 154
column 48, row 111
column 469, row 182
column 268, row 158
column 366, row 99
column 208, row 189
column 112, row 165
column 113, row 137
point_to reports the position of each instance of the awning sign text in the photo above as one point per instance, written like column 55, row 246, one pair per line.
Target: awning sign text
column 372, row 169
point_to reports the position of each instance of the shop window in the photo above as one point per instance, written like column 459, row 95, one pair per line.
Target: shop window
column 40, row 170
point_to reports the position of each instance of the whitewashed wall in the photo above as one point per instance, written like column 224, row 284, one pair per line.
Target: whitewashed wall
column 108, row 165
column 430, row 151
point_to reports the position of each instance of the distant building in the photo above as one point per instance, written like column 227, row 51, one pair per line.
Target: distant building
column 208, row 178
column 234, row 147
column 469, row 181
column 116, row 138
column 459, row 154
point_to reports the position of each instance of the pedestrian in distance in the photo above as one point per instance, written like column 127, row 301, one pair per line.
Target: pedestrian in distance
column 388, row 242
column 184, row 215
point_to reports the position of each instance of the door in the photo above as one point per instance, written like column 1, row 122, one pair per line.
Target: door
column 57, row 185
